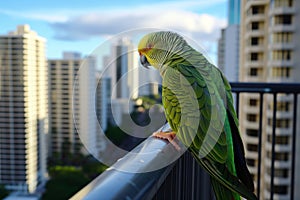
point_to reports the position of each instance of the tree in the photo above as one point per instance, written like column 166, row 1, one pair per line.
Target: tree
column 3, row 192
column 65, row 182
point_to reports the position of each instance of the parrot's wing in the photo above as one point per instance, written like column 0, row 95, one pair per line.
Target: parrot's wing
column 194, row 112
column 239, row 153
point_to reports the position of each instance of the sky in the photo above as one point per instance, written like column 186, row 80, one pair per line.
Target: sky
column 83, row 25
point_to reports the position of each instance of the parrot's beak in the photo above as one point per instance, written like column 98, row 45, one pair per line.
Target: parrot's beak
column 144, row 61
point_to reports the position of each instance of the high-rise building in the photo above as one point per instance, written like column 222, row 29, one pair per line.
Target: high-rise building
column 123, row 69
column 268, row 53
column 86, row 119
column 228, row 44
column 23, row 110
column 103, row 94
column 62, row 73
column 72, row 100
column 103, row 103
column 234, row 10
column 149, row 81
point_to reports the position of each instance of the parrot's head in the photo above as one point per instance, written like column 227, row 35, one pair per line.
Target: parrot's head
column 157, row 48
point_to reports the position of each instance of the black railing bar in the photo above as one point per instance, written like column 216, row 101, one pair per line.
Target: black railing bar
column 259, row 142
column 193, row 180
column 294, row 145
column 237, row 107
column 268, row 87
column 273, row 145
column 252, row 90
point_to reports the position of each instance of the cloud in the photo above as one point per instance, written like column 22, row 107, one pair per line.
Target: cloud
column 107, row 23
column 187, row 17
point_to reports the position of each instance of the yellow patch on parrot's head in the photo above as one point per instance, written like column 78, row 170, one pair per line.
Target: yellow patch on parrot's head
column 157, row 48
column 144, row 48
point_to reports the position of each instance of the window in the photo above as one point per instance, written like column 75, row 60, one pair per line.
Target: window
column 281, row 72
column 253, row 102
column 254, row 56
column 282, row 123
column 254, row 26
column 282, row 55
column 252, row 147
column 254, row 41
column 279, row 156
column 279, row 172
column 283, row 3
column 283, row 37
column 281, row 140
column 252, row 132
column 283, row 106
column 280, row 189
column 257, row 10
column 253, row 71
column 250, row 162
column 251, row 117
column 283, row 19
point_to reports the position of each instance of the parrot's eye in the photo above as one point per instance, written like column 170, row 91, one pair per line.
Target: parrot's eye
column 148, row 47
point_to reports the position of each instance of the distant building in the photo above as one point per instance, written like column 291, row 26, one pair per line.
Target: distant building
column 228, row 44
column 149, row 81
column 64, row 137
column 269, row 52
column 234, row 12
column 103, row 94
column 87, row 104
column 72, row 97
column 23, row 110
column 122, row 67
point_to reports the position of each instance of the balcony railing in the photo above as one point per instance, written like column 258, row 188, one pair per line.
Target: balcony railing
column 184, row 179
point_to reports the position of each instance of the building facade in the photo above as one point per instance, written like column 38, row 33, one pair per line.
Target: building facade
column 268, row 53
column 62, row 73
column 228, row 44
column 73, row 104
column 23, row 110
column 122, row 67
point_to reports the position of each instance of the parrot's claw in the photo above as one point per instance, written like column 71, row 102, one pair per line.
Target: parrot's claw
column 170, row 136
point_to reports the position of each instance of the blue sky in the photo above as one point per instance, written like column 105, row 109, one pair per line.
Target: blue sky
column 82, row 25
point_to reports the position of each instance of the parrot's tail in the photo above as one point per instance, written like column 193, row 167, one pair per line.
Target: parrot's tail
column 222, row 192
column 223, row 180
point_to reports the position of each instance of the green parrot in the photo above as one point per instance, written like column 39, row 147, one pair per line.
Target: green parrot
column 199, row 108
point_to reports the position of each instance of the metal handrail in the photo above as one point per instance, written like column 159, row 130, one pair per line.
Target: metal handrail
column 132, row 177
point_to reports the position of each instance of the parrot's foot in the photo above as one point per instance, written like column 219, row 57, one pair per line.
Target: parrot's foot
column 170, row 136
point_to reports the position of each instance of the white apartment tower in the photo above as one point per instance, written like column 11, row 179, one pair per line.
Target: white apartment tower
column 269, row 52
column 72, row 99
column 23, row 110
column 122, row 67
column 62, row 73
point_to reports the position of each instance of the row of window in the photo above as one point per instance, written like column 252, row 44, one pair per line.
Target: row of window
column 280, row 123
column 280, row 37
column 277, row 55
column 279, row 156
column 281, row 106
column 284, row 72
column 279, row 139
column 283, row 3
column 277, row 72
